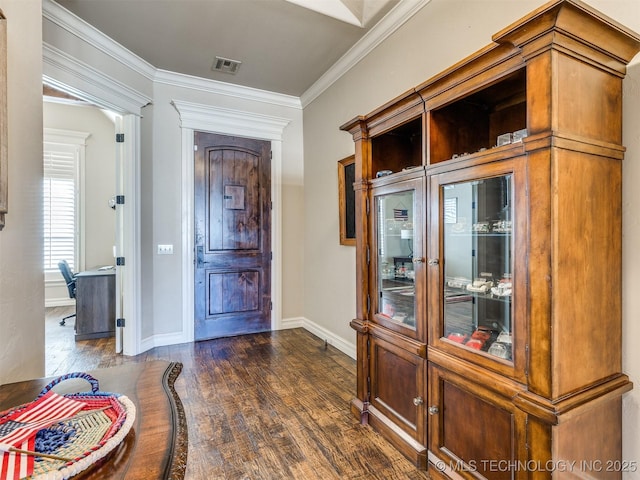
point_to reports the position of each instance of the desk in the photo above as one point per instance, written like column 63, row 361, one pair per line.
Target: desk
column 156, row 445
column 95, row 304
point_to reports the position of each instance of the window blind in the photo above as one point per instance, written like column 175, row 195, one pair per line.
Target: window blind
column 60, row 167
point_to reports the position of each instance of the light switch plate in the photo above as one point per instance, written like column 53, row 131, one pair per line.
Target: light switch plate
column 165, row 249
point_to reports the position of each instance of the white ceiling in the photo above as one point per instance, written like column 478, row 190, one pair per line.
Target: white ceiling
column 284, row 45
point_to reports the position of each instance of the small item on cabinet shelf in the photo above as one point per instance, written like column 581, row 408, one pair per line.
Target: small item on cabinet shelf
column 504, row 139
column 518, row 135
column 480, row 285
column 458, row 282
column 383, row 173
column 479, row 338
column 504, row 337
column 410, row 274
column 501, row 226
column 481, row 227
column 388, row 310
column 503, row 289
column 475, row 343
column 457, row 337
column 482, row 333
column 500, row 350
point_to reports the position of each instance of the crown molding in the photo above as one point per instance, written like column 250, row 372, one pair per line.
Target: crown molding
column 227, row 89
column 86, row 32
column 374, row 37
column 233, row 122
column 94, row 37
column 66, row 73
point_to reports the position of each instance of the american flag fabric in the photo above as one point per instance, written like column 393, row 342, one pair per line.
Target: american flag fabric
column 400, row 214
column 19, row 430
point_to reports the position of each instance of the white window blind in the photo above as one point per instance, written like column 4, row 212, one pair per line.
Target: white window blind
column 60, row 186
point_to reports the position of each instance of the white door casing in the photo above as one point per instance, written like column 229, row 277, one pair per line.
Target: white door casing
column 238, row 123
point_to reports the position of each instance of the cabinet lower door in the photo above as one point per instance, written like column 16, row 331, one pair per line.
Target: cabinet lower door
column 398, row 395
column 473, row 431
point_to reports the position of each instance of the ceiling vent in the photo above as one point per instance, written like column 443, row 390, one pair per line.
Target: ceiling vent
column 225, row 65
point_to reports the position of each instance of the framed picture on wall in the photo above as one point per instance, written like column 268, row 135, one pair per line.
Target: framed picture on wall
column 347, row 200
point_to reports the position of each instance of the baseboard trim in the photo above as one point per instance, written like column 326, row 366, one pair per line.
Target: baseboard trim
column 319, row 331
column 161, row 340
column 331, row 338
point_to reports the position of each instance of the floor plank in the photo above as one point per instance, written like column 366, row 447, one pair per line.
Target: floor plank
column 265, row 406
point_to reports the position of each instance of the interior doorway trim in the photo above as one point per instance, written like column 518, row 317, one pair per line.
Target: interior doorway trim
column 74, row 78
column 206, row 118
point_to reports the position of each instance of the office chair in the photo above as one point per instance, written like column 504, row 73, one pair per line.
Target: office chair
column 70, row 278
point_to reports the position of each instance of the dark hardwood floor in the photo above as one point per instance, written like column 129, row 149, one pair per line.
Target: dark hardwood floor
column 262, row 406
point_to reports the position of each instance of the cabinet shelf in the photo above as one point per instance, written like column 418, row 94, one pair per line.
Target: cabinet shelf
column 473, row 124
column 460, row 297
column 483, row 235
column 399, row 148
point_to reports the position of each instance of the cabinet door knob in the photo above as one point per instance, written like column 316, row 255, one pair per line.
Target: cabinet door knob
column 418, row 260
column 418, row 401
column 433, row 261
column 433, row 410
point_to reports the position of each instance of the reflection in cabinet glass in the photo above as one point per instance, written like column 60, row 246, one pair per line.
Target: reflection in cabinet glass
column 396, row 276
column 478, row 264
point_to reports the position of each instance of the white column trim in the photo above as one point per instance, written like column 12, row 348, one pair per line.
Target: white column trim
column 131, row 272
column 228, row 122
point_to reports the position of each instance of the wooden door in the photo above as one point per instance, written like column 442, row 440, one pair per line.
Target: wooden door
column 232, row 236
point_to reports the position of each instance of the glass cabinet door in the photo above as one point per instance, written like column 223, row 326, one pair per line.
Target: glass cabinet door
column 396, row 243
column 477, row 220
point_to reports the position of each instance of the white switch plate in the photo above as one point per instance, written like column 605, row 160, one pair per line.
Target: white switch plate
column 165, row 249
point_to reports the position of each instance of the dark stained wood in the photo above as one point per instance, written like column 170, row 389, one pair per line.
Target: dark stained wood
column 95, row 304
column 268, row 406
column 233, row 236
column 156, row 446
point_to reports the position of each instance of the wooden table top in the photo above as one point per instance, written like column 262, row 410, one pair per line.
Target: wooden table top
column 156, row 445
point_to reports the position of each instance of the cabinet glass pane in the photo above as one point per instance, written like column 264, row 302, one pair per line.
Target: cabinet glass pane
column 396, row 287
column 477, row 219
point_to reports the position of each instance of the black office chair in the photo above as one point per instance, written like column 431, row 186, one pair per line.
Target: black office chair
column 70, row 278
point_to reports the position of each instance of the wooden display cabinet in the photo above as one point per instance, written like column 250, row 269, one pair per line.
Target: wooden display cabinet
column 513, row 358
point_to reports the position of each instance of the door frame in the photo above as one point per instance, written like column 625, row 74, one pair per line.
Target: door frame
column 206, row 118
column 103, row 91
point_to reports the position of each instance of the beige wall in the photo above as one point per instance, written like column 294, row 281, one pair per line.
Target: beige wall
column 21, row 278
column 99, row 186
column 442, row 33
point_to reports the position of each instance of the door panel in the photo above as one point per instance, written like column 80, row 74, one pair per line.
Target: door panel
column 398, row 385
column 474, row 430
column 232, row 236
